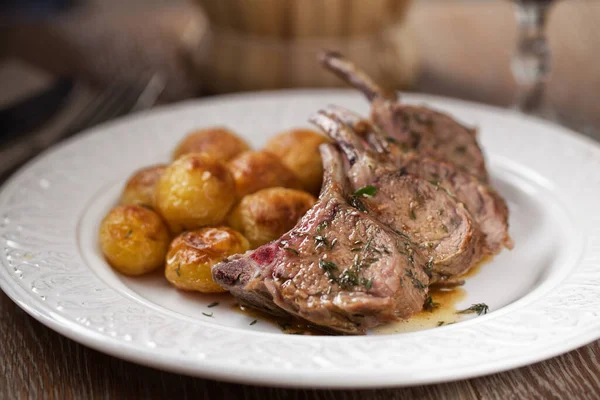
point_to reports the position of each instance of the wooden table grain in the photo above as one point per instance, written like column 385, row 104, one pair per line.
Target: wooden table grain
column 36, row 362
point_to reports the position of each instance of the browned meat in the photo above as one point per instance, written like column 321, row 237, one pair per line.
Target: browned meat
column 338, row 268
column 428, row 132
column 414, row 207
column 486, row 206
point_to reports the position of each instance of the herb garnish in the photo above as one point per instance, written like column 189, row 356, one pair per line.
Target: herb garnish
column 253, row 322
column 321, row 241
column 412, row 214
column 208, row 314
column 366, row 191
column 291, row 250
column 333, row 243
column 430, row 305
column 391, row 139
column 349, row 278
column 435, row 183
column 128, row 233
column 327, row 266
column 178, row 270
column 211, row 305
column 322, row 225
column 440, row 323
column 369, row 283
column 356, row 203
column 444, row 228
column 429, row 267
column 479, row 308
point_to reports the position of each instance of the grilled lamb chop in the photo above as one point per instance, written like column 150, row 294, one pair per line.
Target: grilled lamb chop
column 422, row 129
column 414, row 207
column 339, row 267
column 486, row 206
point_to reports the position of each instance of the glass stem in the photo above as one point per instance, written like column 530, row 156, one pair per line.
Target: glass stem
column 531, row 61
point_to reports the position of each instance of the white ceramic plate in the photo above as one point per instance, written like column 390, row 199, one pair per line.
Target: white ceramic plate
column 544, row 296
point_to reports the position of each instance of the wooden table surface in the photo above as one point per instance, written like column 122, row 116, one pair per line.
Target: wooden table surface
column 36, row 362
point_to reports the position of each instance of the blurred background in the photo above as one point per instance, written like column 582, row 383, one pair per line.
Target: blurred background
column 69, row 64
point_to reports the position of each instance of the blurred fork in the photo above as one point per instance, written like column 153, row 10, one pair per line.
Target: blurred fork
column 115, row 100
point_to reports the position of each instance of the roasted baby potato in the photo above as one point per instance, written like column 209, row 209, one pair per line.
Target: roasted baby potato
column 256, row 170
column 192, row 254
column 195, row 191
column 139, row 189
column 269, row 213
column 298, row 149
column 134, row 239
column 219, row 142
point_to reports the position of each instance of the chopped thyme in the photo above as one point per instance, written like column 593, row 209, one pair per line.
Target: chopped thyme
column 327, row 266
column 356, row 203
column 128, row 233
column 322, row 225
column 253, row 322
column 404, row 235
column 412, row 214
column 418, row 284
column 321, row 241
column 333, row 243
column 178, row 270
column 429, row 267
column 479, row 308
column 440, row 323
column 444, row 228
column 291, row 250
column 441, row 212
column 348, row 279
column 366, row 191
column 356, row 249
column 369, row 283
column 208, row 314
column 368, row 245
column 435, row 183
column 391, row 139
column 430, row 305
column 211, row 305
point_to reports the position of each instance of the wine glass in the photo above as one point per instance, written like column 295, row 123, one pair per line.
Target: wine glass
column 531, row 60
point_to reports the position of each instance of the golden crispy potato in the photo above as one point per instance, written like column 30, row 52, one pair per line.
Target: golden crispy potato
column 195, row 191
column 298, row 149
column 219, row 142
column 192, row 254
column 256, row 170
column 269, row 213
column 134, row 239
column 139, row 189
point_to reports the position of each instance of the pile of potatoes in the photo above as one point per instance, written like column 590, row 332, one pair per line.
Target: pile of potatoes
column 217, row 198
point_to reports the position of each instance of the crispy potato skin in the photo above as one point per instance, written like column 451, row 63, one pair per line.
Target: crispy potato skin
column 298, row 149
column 192, row 254
column 139, row 189
column 196, row 190
column 269, row 213
column 256, row 170
column 134, row 239
column 219, row 142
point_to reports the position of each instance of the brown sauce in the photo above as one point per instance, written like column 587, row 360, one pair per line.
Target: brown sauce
column 444, row 314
